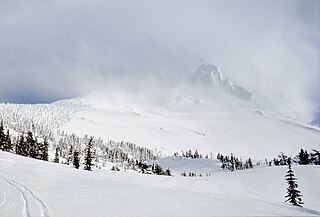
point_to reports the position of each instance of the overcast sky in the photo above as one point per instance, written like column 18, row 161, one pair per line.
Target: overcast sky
column 57, row 49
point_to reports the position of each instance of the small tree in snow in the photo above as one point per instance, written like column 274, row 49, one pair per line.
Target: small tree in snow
column 56, row 156
column 88, row 158
column 76, row 159
column 70, row 155
column 7, row 145
column 2, row 137
column 293, row 194
column 44, row 150
column 315, row 157
column 31, row 145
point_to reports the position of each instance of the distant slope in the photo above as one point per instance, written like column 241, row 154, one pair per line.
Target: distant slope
column 175, row 119
column 181, row 119
column 38, row 188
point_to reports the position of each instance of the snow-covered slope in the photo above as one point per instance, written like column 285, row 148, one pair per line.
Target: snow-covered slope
column 181, row 119
column 31, row 187
column 209, row 115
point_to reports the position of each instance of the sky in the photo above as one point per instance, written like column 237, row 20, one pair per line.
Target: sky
column 59, row 49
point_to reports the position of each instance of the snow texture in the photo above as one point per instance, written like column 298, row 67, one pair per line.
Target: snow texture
column 31, row 187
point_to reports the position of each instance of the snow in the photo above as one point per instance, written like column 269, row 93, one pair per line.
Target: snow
column 220, row 123
column 211, row 76
column 31, row 187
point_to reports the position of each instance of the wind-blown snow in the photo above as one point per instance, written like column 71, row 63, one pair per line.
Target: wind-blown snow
column 31, row 187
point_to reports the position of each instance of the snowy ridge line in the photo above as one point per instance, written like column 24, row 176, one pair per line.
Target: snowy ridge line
column 4, row 199
column 44, row 207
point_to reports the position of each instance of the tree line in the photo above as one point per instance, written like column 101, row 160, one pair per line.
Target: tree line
column 27, row 145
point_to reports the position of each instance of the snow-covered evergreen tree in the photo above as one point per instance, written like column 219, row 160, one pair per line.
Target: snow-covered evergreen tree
column 70, row 155
column 7, row 145
column 2, row 137
column 293, row 194
column 56, row 156
column 76, row 159
column 315, row 157
column 303, row 157
column 32, row 145
column 88, row 155
column 44, row 150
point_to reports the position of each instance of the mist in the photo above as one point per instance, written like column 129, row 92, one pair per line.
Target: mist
column 52, row 50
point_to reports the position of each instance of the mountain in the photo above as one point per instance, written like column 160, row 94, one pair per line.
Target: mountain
column 148, row 124
column 213, row 115
column 210, row 75
column 170, row 121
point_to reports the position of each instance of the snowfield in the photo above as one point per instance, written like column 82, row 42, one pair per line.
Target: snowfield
column 31, row 187
column 181, row 119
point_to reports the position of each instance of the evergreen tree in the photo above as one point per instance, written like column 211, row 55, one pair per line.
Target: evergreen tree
column 31, row 145
column 21, row 147
column 8, row 145
column 293, row 194
column 88, row 158
column 2, row 137
column 196, row 154
column 250, row 164
column 56, row 156
column 303, row 157
column 70, row 155
column 315, row 157
column 283, row 158
column 18, row 147
column 76, row 159
column 232, row 161
column 167, row 172
column 44, row 150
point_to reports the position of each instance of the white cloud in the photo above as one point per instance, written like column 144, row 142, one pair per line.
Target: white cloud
column 271, row 47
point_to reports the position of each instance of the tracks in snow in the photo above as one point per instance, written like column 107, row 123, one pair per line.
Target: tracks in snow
column 4, row 199
column 29, row 198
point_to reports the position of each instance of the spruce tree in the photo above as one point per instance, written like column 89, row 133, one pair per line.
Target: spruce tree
column 2, row 137
column 8, row 145
column 56, row 156
column 76, row 159
column 44, row 150
column 19, row 145
column 88, row 157
column 303, row 157
column 70, row 155
column 32, row 145
column 22, row 147
column 315, row 157
column 293, row 194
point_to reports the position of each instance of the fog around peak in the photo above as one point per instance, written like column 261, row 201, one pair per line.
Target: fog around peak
column 59, row 49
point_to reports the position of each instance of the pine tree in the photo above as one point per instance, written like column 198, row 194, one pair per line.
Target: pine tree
column 293, row 194
column 303, row 157
column 283, row 158
column 44, row 150
column 76, row 159
column 88, row 158
column 8, row 145
column 19, row 145
column 315, row 157
column 2, row 137
column 56, row 156
column 70, row 155
column 32, row 145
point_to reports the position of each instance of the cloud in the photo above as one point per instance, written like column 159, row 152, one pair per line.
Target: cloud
column 58, row 49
